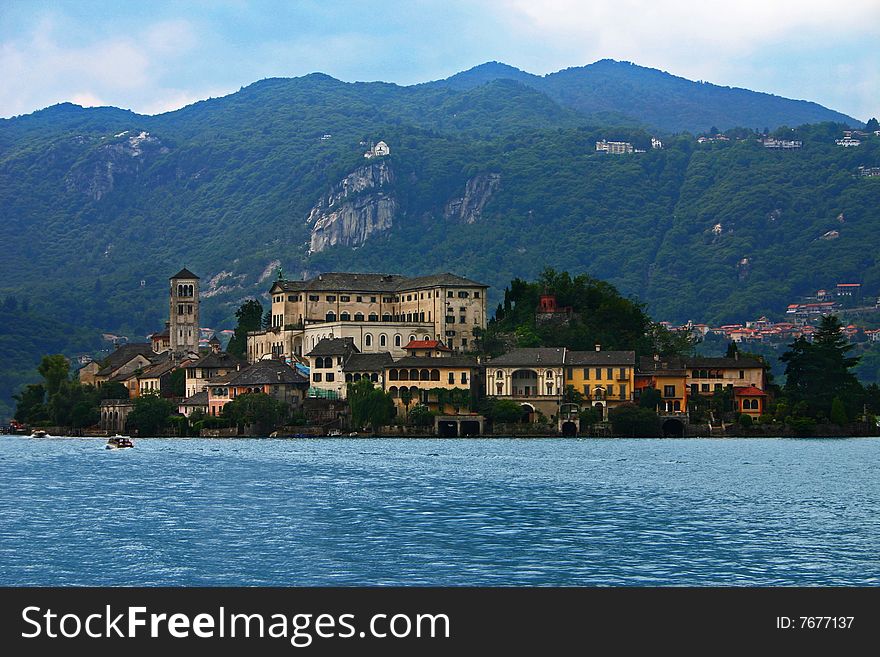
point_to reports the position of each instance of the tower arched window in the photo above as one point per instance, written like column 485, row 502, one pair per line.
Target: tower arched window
column 368, row 340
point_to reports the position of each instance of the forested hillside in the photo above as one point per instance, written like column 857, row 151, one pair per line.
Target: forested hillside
column 492, row 181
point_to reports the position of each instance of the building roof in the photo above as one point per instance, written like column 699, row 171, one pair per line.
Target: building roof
column 184, row 273
column 159, row 369
column 371, row 282
column 426, row 362
column 367, row 362
column 531, row 357
column 198, row 399
column 436, row 345
column 214, row 339
column 124, row 354
column 267, row 372
column 647, row 364
column 600, row 357
column 749, row 391
column 722, row 363
column 220, row 359
column 334, row 347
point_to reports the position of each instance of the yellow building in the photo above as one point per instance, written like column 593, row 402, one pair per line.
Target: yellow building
column 605, row 379
column 425, row 376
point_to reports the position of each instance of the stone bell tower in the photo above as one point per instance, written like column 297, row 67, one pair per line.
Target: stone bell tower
column 183, row 312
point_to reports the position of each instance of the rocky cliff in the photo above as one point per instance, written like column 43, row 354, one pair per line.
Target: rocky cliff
column 358, row 206
column 124, row 155
column 477, row 193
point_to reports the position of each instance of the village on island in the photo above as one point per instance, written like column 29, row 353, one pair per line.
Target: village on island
column 339, row 335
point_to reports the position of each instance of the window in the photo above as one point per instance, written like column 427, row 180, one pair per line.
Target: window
column 331, row 298
column 704, row 387
column 622, row 373
column 610, row 389
column 397, row 340
column 609, row 372
column 316, row 377
column 345, row 297
column 464, row 377
column 345, row 317
column 476, row 295
column 463, row 294
column 598, row 374
column 718, row 387
column 180, row 309
column 449, row 294
column 382, row 340
column 359, row 299
column 374, row 317
column 435, row 375
column 368, row 340
column 669, row 391
column 330, row 377
column 450, row 319
column 452, row 377
column 313, row 297
column 742, row 374
column 587, row 390
column 331, row 316
column 409, row 297
column 411, row 338
column 292, row 298
column 387, row 299
column 372, row 299
column 499, row 374
column 464, row 342
column 421, row 317
column 358, row 317
column 374, row 377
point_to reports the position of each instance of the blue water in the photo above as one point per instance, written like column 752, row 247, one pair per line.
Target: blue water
column 440, row 512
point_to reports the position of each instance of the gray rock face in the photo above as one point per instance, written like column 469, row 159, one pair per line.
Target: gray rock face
column 357, row 207
column 477, row 193
column 96, row 175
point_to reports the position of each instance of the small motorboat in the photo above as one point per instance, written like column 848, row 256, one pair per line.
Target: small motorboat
column 119, row 442
column 39, row 433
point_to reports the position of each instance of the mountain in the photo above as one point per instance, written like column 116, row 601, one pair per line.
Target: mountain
column 488, row 176
column 626, row 93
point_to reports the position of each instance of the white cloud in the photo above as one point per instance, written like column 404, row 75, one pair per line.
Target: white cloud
column 124, row 70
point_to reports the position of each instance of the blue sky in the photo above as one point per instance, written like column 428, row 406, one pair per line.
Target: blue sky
column 154, row 56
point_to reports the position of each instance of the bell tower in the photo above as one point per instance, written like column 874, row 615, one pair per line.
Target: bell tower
column 183, row 311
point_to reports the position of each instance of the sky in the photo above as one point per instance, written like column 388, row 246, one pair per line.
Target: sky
column 156, row 56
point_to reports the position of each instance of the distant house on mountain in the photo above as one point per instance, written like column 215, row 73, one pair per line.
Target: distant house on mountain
column 614, row 147
column 378, row 150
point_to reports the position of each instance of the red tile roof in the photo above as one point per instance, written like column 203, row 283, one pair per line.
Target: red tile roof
column 749, row 391
column 427, row 344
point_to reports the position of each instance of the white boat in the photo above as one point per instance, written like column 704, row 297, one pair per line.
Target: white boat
column 119, row 442
column 39, row 433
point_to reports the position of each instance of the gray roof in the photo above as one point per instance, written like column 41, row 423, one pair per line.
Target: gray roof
column 160, row 368
column 600, row 358
column 333, row 347
column 265, row 372
column 648, row 364
column 124, row 354
column 220, row 359
column 184, row 273
column 334, row 281
column 721, row 363
column 367, row 362
column 426, row 362
column 198, row 399
column 530, row 357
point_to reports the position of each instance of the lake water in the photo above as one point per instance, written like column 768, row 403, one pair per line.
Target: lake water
column 440, row 512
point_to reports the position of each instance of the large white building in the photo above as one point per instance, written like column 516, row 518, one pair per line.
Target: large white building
column 380, row 312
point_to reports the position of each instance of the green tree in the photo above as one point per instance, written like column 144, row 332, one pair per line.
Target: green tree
column 502, row 411
column 818, row 372
column 838, row 412
column 370, row 406
column 256, row 409
column 150, row 414
column 250, row 318
column 30, row 404
column 732, row 350
column 177, row 382
column 421, row 416
column 54, row 370
column 872, row 125
column 629, row 420
column 406, row 398
column 113, row 390
column 649, row 398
